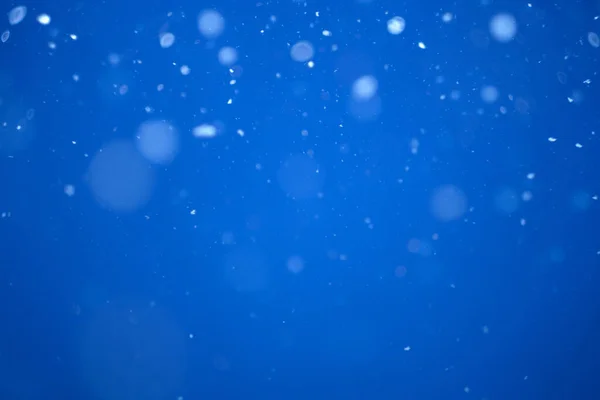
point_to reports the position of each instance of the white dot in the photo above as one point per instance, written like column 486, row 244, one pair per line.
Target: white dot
column 396, row 25
column 503, row 27
column 43, row 19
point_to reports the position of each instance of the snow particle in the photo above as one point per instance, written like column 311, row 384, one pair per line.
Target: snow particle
column 211, row 24
column 396, row 25
column 16, row 15
column 166, row 40
column 593, row 39
column 43, row 19
column 503, row 27
column 302, row 51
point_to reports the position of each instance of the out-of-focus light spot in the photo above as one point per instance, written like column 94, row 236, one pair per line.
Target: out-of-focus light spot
column 302, row 51
column 227, row 56
column 185, row 70
column 119, row 177
column 5, row 36
column 593, row 39
column 205, row 131
column 114, row 59
column 400, row 271
column 69, row 190
column 364, row 88
column 489, row 94
column 581, row 201
column 526, row 196
column 17, row 15
column 300, row 177
column 507, row 201
column 246, row 270
column 503, row 27
column 295, row 264
column 166, row 40
column 365, row 109
column 211, row 24
column 396, row 25
column 157, row 141
column 447, row 17
column 413, row 245
column 448, row 203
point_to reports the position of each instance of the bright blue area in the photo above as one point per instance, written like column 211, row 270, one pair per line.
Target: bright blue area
column 190, row 294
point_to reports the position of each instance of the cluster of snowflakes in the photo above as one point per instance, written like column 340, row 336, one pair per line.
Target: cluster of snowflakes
column 157, row 141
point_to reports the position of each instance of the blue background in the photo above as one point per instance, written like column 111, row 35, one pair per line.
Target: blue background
column 101, row 304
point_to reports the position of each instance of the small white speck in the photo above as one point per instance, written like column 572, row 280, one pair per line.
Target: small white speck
column 552, row 139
